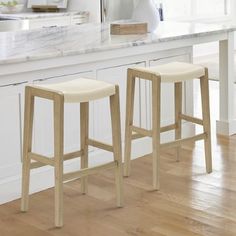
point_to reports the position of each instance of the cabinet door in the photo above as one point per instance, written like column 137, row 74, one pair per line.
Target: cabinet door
column 115, row 75
column 10, row 126
column 43, row 121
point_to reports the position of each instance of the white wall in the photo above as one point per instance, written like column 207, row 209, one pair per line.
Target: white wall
column 213, row 48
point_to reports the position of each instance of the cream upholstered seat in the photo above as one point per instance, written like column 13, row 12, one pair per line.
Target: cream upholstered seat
column 175, row 72
column 80, row 90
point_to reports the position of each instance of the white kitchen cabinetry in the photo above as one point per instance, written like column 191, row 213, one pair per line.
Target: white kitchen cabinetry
column 43, row 120
column 77, row 19
column 10, row 126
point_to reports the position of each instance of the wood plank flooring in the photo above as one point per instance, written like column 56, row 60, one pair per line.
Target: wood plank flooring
column 190, row 202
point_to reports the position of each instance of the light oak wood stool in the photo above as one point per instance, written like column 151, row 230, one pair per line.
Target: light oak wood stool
column 176, row 73
column 75, row 91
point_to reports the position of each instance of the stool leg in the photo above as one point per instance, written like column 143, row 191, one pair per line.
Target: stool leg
column 58, row 157
column 116, row 140
column 27, row 146
column 206, row 120
column 129, row 121
column 84, row 129
column 156, row 120
column 178, row 111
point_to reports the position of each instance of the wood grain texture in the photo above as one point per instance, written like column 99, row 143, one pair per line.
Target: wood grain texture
column 178, row 112
column 84, row 133
column 128, row 28
column 130, row 91
column 156, row 131
column 58, row 157
column 27, row 147
column 116, row 142
column 206, row 120
column 189, row 203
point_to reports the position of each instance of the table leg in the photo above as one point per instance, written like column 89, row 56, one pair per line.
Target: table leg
column 227, row 122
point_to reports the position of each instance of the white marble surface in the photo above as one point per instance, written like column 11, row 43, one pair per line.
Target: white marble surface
column 34, row 15
column 22, row 46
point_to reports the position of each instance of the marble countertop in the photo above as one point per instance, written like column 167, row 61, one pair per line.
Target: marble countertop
column 31, row 45
column 34, row 15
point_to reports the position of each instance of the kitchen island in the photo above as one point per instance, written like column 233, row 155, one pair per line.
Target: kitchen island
column 58, row 54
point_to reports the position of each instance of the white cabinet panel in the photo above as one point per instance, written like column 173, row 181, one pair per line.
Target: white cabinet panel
column 43, row 121
column 115, row 75
column 10, row 135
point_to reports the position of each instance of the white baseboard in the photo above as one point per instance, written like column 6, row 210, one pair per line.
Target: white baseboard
column 226, row 127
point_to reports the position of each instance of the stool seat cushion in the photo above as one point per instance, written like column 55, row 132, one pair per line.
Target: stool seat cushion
column 80, row 90
column 175, row 71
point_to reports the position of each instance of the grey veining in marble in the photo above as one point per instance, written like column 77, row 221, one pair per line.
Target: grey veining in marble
column 33, row 15
column 21, row 46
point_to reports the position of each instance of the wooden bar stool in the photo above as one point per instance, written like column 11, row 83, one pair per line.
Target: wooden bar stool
column 176, row 73
column 75, row 91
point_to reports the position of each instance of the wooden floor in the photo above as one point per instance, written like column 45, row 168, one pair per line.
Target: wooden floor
column 190, row 202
